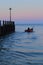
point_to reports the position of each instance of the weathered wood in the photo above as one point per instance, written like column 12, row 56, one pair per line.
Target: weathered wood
column 7, row 28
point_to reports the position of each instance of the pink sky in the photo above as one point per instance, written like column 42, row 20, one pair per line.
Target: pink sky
column 22, row 9
column 29, row 14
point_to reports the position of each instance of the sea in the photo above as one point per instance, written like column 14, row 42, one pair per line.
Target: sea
column 22, row 48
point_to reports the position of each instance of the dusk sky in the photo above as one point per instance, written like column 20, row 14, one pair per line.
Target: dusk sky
column 22, row 9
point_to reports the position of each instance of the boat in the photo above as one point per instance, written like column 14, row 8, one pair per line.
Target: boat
column 29, row 30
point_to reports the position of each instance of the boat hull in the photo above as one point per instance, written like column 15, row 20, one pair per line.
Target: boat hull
column 30, row 30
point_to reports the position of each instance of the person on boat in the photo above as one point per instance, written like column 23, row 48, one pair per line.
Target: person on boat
column 28, row 28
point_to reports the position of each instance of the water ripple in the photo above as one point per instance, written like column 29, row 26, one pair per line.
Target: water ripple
column 21, row 48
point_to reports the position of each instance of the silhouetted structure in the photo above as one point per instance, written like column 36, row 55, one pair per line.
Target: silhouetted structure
column 7, row 27
column 10, row 13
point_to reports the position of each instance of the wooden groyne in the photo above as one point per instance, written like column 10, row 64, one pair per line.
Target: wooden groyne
column 7, row 27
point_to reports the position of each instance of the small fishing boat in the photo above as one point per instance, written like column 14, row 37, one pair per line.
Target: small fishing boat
column 29, row 30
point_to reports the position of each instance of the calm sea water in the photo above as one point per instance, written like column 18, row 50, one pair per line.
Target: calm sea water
column 22, row 48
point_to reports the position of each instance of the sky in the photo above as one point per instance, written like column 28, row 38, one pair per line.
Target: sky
column 22, row 10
